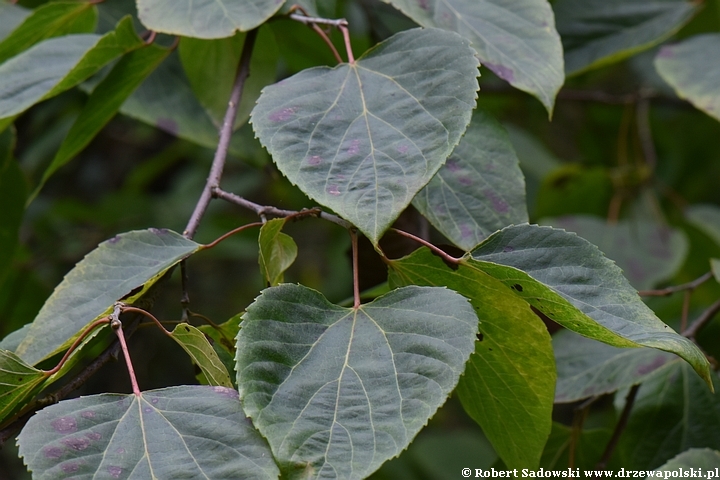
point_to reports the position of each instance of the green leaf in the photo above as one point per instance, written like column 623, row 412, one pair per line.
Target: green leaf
column 672, row 413
column 277, row 251
column 509, row 383
column 217, row 19
column 587, row 368
column 104, row 103
column 364, row 138
column 223, row 334
column 11, row 16
column 338, row 391
column 215, row 62
column 479, row 190
column 203, row 355
column 177, row 432
column 705, row 218
column 14, row 191
column 700, row 458
column 588, row 448
column 17, row 382
column 116, row 268
column 692, row 68
column 596, row 33
column 55, row 65
column 516, row 39
column 715, row 267
column 648, row 253
column 47, row 21
column 570, row 281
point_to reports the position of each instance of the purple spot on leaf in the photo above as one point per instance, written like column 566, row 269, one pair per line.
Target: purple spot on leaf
column 333, row 190
column 88, row 414
column 93, row 436
column 402, row 149
column 666, row 52
column 498, row 204
column 115, row 239
column 148, row 409
column 226, row 392
column 315, row 160
column 465, row 180
column 465, row 231
column 453, row 166
column 115, row 472
column 508, row 249
column 282, row 115
column 53, row 452
column 354, row 147
column 501, row 71
column 424, row 4
column 76, row 443
column 64, row 425
column 120, row 451
column 154, row 401
column 169, row 125
column 70, row 467
column 440, row 210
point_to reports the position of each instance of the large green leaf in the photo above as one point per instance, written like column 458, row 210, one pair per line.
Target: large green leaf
column 46, row 21
column 672, row 413
column 599, row 32
column 110, row 272
column 700, row 458
column 195, row 344
column 277, row 251
column 516, row 39
column 570, row 280
column 205, row 19
column 587, row 368
column 177, row 432
column 647, row 252
column 215, row 62
column 479, row 190
column 14, row 192
column 17, row 381
column 509, row 383
column 338, row 391
column 364, row 138
column 692, row 68
column 55, row 65
column 104, row 103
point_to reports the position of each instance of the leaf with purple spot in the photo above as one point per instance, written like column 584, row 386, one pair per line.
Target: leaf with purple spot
column 157, row 434
column 515, row 39
column 479, row 190
column 364, row 138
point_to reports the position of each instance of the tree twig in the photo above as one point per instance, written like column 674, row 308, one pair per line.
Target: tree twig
column 441, row 253
column 262, row 210
column 677, row 288
column 307, row 20
column 702, row 320
column 642, row 118
column 226, row 131
column 619, row 428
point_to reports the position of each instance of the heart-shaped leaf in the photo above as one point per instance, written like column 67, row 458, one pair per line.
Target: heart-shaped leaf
column 216, row 19
column 692, row 68
column 600, row 32
column 338, row 391
column 277, row 251
column 479, row 190
column 509, row 383
column 364, row 138
column 107, row 274
column 587, row 368
column 516, row 39
column 178, row 432
column 568, row 279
